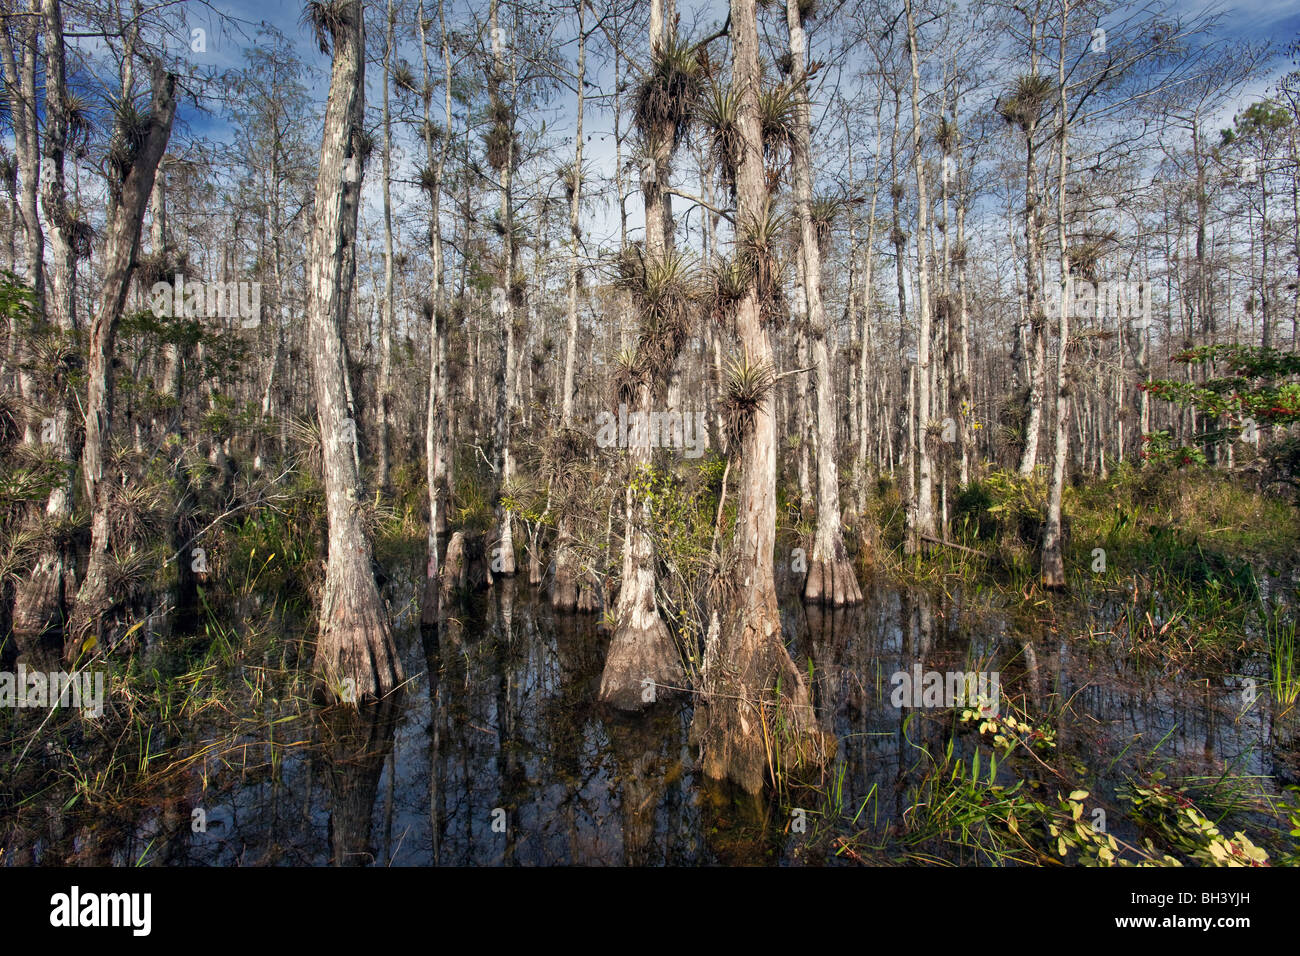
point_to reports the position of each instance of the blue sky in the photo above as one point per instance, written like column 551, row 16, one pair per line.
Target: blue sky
column 1274, row 20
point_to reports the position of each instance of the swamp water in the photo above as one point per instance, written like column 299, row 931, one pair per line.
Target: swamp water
column 497, row 752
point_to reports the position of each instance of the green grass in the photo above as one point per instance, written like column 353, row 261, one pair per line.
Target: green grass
column 1279, row 627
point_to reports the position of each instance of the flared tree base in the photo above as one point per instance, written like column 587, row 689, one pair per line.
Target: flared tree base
column 430, row 602
column 746, row 729
column 39, row 601
column 574, row 589
column 90, row 608
column 832, row 582
column 564, row 587
column 465, row 568
column 643, row 666
column 356, row 659
column 1053, row 576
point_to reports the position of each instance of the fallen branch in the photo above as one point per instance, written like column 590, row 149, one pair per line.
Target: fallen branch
column 949, row 544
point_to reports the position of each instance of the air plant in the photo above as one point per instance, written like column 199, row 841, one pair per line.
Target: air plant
column 363, row 144
column 571, row 177
column 499, row 140
column 667, row 98
column 404, row 78
column 327, row 19
column 629, row 375
column 1023, row 106
column 945, row 307
column 562, row 459
column 728, row 283
column 427, row 178
column 945, row 135
column 744, row 386
column 304, row 438
column 664, row 293
column 518, row 296
column 158, row 266
column 778, row 114
column 130, row 570
column 1084, row 256
column 77, row 113
column 756, row 251
column 430, row 130
column 823, row 211
column 11, row 421
column 18, row 552
column 8, row 173
column 138, row 513
column 55, row 361
column 719, row 118
column 130, row 130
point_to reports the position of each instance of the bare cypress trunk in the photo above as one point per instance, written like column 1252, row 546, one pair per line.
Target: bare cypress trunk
column 20, row 83
column 831, row 578
column 1202, row 274
column 1027, row 102
column 384, row 399
column 504, row 559
column 280, row 331
column 185, row 590
column 575, row 233
column 868, row 351
column 128, row 197
column 1265, row 298
column 643, row 661
column 41, row 599
column 643, row 664
column 802, row 415
column 962, row 344
column 1053, row 566
column 924, row 511
column 437, row 424
column 902, row 446
column 1037, row 379
column 355, row 654
column 564, row 592
column 748, row 676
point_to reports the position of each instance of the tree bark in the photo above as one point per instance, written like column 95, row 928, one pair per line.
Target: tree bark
column 750, row 685
column 924, row 511
column 383, row 400
column 128, row 199
column 355, row 654
column 1053, row 566
column 504, row 558
column 831, row 578
column 41, row 598
column 437, row 424
column 643, row 663
column 20, row 87
column 564, row 592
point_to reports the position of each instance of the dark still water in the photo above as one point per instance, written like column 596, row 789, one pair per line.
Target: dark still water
column 497, row 753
